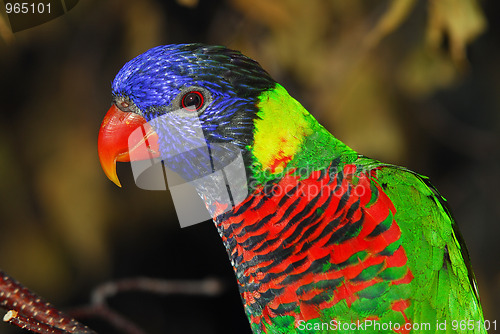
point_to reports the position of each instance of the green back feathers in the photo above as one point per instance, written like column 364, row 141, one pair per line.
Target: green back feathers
column 443, row 287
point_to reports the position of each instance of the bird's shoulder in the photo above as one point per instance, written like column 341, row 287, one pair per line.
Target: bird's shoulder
column 436, row 251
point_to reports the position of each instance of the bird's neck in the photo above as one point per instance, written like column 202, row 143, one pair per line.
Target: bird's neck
column 287, row 136
column 286, row 139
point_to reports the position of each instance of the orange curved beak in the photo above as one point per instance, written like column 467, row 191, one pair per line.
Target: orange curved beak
column 115, row 142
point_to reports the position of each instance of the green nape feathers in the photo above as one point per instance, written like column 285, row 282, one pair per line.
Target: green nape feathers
column 302, row 144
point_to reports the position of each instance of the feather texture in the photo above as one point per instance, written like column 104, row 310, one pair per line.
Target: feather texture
column 325, row 236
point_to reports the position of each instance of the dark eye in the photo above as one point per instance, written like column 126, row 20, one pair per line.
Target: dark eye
column 192, row 101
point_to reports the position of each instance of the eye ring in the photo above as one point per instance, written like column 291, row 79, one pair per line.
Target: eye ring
column 192, row 100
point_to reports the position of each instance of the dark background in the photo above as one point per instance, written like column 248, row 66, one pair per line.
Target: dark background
column 418, row 89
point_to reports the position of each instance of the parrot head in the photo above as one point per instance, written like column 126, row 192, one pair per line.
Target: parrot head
column 185, row 99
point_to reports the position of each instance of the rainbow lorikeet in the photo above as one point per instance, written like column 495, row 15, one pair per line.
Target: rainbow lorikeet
column 325, row 239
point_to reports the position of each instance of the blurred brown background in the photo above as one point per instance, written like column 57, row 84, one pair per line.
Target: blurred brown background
column 409, row 82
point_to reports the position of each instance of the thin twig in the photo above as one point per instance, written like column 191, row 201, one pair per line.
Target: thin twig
column 98, row 307
column 115, row 319
column 206, row 287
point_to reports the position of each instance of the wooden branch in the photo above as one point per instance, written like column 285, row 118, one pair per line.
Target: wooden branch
column 29, row 311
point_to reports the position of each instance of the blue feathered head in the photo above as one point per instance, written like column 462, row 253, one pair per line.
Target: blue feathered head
column 194, row 97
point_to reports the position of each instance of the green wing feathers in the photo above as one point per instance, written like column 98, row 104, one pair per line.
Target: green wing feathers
column 443, row 287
